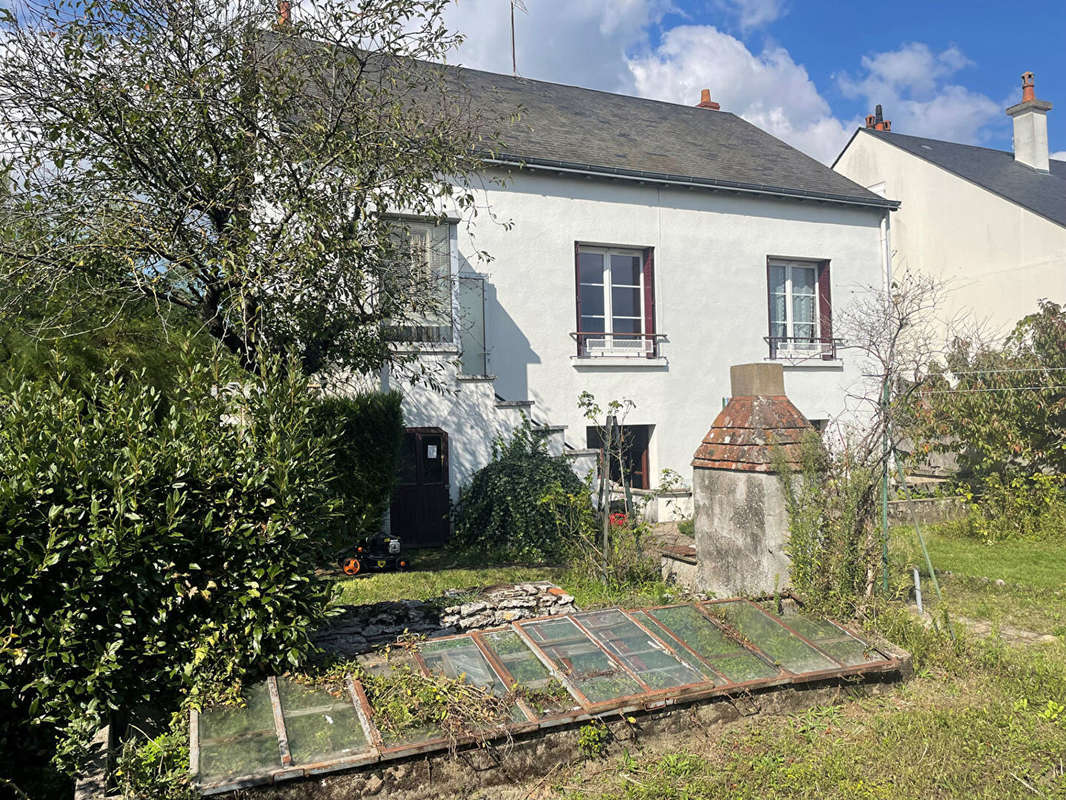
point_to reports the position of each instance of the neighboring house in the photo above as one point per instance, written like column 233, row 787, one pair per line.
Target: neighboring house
column 989, row 224
column 649, row 247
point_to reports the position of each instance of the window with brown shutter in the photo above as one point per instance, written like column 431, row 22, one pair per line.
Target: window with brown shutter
column 615, row 299
column 800, row 309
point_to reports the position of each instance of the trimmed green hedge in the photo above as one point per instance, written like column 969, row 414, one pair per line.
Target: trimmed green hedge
column 153, row 547
column 367, row 433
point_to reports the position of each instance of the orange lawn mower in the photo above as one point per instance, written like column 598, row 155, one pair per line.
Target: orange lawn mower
column 378, row 553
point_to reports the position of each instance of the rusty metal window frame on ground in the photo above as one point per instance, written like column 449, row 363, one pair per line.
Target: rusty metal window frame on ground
column 609, row 661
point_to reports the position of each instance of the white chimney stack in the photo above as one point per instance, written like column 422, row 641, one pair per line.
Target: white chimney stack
column 1030, row 127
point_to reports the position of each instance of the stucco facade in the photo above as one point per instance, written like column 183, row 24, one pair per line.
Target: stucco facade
column 995, row 257
column 711, row 306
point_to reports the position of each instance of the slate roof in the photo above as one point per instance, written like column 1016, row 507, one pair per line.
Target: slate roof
column 568, row 127
column 995, row 170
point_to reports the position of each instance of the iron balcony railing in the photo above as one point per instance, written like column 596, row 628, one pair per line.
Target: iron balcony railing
column 599, row 344
column 824, row 347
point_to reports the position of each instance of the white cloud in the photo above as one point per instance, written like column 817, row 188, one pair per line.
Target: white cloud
column 582, row 42
column 753, row 13
column 1059, row 156
column 769, row 90
column 913, row 84
column 606, row 44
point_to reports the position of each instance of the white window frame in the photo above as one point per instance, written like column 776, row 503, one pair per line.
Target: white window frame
column 609, row 347
column 424, row 230
column 791, row 349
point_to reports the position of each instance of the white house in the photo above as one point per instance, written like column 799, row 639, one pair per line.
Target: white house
column 989, row 224
column 649, row 247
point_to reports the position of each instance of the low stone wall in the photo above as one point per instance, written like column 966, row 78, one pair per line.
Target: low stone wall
column 926, row 510
column 359, row 629
column 523, row 601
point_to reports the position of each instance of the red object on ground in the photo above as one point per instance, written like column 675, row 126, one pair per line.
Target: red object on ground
column 619, row 519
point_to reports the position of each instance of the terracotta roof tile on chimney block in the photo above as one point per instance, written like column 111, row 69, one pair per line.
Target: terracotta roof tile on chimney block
column 707, row 102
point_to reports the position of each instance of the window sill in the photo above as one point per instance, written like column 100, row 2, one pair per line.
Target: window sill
column 629, row 362
column 807, row 362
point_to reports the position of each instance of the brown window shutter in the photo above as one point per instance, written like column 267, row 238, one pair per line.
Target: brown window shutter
column 649, row 299
column 577, row 293
column 825, row 311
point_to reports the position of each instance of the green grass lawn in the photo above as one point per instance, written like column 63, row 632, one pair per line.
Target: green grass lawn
column 1033, row 593
column 981, row 719
column 435, row 571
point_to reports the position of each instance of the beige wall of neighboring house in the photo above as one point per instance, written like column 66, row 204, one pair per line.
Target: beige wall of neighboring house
column 995, row 257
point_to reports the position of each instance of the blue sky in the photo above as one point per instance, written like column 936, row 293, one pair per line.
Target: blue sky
column 805, row 70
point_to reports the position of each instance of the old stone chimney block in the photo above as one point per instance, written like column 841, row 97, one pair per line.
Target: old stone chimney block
column 741, row 520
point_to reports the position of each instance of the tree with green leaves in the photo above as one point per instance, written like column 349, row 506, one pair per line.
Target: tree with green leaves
column 211, row 158
column 1001, row 407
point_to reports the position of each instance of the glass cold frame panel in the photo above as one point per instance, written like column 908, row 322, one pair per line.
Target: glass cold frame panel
column 834, row 640
column 461, row 657
column 536, row 685
column 397, row 665
column 653, row 663
column 725, row 654
column 578, row 657
column 239, row 741
column 320, row 727
column 651, row 624
column 772, row 638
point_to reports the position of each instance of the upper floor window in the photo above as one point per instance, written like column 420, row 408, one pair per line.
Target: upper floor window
column 615, row 301
column 800, row 309
column 424, row 276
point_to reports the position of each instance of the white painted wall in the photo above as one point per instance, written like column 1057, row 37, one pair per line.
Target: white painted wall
column 995, row 257
column 711, row 302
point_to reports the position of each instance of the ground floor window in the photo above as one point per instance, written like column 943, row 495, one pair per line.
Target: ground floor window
column 634, row 449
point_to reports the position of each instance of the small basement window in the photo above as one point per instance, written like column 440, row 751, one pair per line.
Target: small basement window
column 635, row 442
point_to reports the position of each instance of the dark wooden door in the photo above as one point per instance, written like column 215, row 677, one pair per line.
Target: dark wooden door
column 420, row 506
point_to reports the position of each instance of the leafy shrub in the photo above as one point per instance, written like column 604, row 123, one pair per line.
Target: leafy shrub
column 153, row 548
column 500, row 512
column 832, row 544
column 1032, row 508
column 687, row 527
column 158, row 767
column 367, row 432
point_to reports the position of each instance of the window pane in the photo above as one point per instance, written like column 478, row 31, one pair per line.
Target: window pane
column 590, row 267
column 657, row 666
column 625, row 302
column 591, row 300
column 625, row 270
column 777, row 280
column 771, row 637
column 803, row 280
column 726, row 655
column 320, row 727
column 592, row 324
column 583, row 661
column 802, row 309
column 627, row 325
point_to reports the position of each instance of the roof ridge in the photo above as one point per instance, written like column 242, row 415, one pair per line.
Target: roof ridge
column 504, row 75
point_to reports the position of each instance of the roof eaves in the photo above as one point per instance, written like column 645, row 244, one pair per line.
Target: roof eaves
column 525, row 162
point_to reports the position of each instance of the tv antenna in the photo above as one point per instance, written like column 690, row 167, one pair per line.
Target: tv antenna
column 521, row 6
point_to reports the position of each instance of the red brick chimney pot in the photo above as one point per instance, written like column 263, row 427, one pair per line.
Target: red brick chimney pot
column 706, row 101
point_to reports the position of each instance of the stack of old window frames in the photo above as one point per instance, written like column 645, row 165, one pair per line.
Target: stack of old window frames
column 607, row 661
